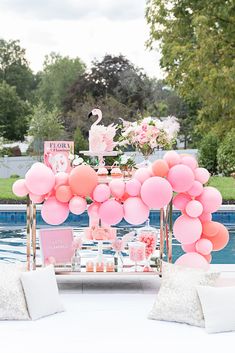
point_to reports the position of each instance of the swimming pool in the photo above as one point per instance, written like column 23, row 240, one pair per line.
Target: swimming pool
column 13, row 233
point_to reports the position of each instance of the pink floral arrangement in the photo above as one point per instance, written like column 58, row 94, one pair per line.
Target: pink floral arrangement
column 149, row 133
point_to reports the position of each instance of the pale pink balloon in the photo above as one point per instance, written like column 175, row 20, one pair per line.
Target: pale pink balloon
column 181, row 178
column 211, row 199
column 189, row 247
column 133, row 187
column 93, row 209
column 77, row 205
column 196, row 189
column 187, row 230
column 61, row 178
column 156, row 192
column 180, row 201
column 193, row 260
column 36, row 198
column 190, row 161
column 19, row 188
column 101, row 193
column 172, row 158
column 111, row 212
column 204, row 246
column 135, row 211
column 205, row 217
column 202, row 175
column 142, row 174
column 40, row 179
column 54, row 212
column 117, row 188
column 194, row 208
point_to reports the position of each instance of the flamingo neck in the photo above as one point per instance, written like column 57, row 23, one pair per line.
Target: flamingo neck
column 98, row 119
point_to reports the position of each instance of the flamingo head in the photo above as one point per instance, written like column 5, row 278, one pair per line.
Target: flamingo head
column 94, row 112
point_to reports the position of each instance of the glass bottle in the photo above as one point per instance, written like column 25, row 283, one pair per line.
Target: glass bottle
column 76, row 261
column 148, row 235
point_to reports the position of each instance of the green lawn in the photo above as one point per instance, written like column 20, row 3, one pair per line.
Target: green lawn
column 226, row 185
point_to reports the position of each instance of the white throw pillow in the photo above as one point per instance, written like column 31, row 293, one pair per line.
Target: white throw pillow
column 41, row 292
column 218, row 306
column 177, row 299
column 12, row 299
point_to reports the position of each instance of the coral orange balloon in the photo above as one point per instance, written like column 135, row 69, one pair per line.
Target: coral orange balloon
column 160, row 168
column 63, row 193
column 83, row 180
column 210, row 229
column 221, row 239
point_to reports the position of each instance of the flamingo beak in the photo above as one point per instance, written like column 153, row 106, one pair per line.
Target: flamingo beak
column 90, row 114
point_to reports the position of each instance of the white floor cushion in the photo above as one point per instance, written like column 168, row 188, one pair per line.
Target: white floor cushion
column 218, row 306
column 41, row 292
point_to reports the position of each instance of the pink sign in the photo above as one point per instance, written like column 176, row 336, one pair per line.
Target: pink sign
column 56, row 155
column 57, row 243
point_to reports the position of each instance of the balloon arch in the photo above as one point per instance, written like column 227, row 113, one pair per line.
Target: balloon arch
column 174, row 179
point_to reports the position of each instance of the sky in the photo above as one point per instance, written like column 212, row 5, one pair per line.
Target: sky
column 88, row 29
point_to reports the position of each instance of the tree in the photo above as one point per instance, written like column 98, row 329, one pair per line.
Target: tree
column 58, row 75
column 208, row 152
column 197, row 41
column 14, row 113
column 226, row 154
column 80, row 142
column 14, row 68
column 45, row 125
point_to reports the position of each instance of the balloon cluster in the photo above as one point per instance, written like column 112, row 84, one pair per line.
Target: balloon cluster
column 150, row 188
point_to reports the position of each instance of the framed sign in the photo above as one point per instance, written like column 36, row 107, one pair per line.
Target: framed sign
column 56, row 243
column 56, row 155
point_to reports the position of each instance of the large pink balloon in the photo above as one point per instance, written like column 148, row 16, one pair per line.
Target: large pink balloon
column 117, row 188
column 19, row 188
column 111, row 212
column 194, row 208
column 142, row 174
column 133, row 187
column 156, row 192
column 190, row 161
column 189, row 247
column 40, row 179
column 172, row 158
column 61, row 178
column 196, row 189
column 101, row 193
column 204, row 246
column 135, row 211
column 211, row 199
column 83, row 180
column 181, row 178
column 180, row 201
column 77, row 205
column 54, row 212
column 193, row 260
column 36, row 198
column 202, row 175
column 187, row 230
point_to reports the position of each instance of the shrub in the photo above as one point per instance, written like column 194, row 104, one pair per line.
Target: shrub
column 14, row 176
column 208, row 152
column 226, row 154
column 10, row 151
column 80, row 142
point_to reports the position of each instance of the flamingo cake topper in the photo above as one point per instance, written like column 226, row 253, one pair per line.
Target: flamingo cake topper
column 100, row 136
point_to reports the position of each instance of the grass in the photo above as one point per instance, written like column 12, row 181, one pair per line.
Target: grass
column 226, row 185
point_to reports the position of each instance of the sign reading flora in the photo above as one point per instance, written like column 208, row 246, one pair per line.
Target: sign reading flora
column 56, row 155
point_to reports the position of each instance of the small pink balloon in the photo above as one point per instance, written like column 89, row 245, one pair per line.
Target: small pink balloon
column 93, row 209
column 135, row 211
column 180, row 201
column 19, row 188
column 194, row 208
column 187, row 230
column 61, row 178
column 196, row 189
column 205, row 217
column 193, row 260
column 204, row 246
column 36, row 198
column 101, row 193
column 77, row 205
column 189, row 247
column 156, row 192
column 202, row 175
column 54, row 212
column 117, row 188
column 40, row 179
column 111, row 212
column 142, row 174
column 181, row 178
column 190, row 161
column 172, row 158
column 133, row 187
column 211, row 199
